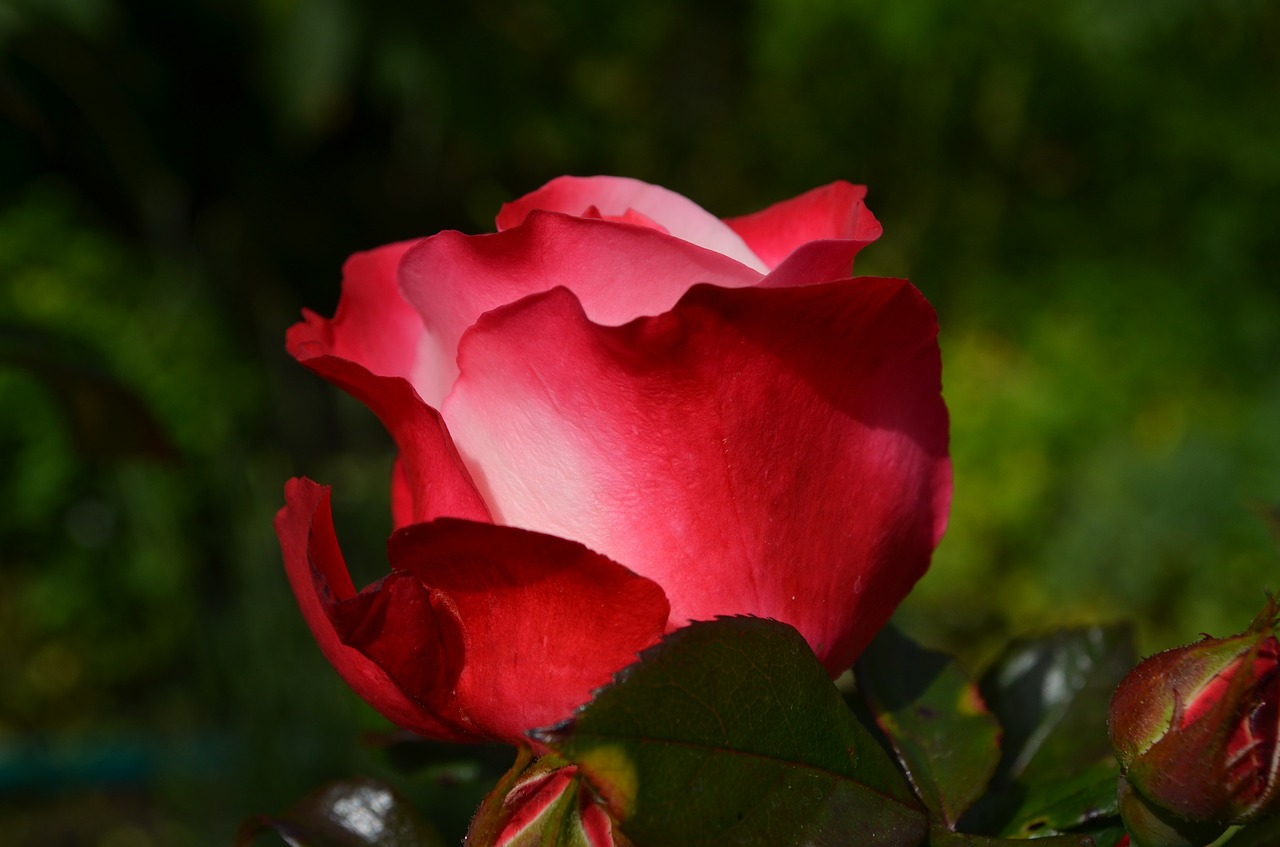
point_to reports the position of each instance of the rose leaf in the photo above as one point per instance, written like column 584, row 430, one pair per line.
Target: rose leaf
column 1050, row 695
column 730, row 732
column 944, row 737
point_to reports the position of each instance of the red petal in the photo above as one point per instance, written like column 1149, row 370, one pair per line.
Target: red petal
column 320, row 581
column 613, row 197
column 544, row 621
column 834, row 211
column 429, row 480
column 774, row 452
column 618, row 272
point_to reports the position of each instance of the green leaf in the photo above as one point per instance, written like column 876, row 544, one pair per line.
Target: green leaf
column 942, row 837
column 931, row 712
column 350, row 813
column 1064, row 803
column 730, row 732
column 1051, row 695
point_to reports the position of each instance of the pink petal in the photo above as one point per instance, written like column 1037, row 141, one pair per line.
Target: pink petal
column 774, row 452
column 834, row 211
column 374, row 348
column 630, row 216
column 618, row 272
column 613, row 197
column 544, row 621
column 320, row 581
column 374, row 325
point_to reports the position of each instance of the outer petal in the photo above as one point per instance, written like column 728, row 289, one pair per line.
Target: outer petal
column 479, row 631
column 619, row 272
column 544, row 621
column 374, row 325
column 613, row 196
column 320, row 581
column 429, row 479
column 373, row 348
column 775, row 452
column 834, row 211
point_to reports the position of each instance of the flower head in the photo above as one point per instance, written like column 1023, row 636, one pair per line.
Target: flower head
column 618, row 414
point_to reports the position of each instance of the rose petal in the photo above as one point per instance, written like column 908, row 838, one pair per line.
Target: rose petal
column 613, row 196
column 374, row 325
column 320, row 581
column 618, row 272
column 775, row 452
column 429, row 479
column 834, row 211
column 479, row 631
column 373, row 348
column 544, row 621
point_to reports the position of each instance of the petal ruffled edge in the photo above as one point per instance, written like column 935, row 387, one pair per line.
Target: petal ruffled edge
column 613, row 197
column 830, row 212
column 373, row 326
column 618, row 271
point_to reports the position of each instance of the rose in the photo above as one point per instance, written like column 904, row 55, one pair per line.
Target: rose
column 616, row 415
column 1195, row 729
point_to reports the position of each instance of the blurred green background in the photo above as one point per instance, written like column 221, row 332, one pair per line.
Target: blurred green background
column 1087, row 190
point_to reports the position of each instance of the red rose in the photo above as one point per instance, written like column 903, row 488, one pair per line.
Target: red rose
column 616, row 415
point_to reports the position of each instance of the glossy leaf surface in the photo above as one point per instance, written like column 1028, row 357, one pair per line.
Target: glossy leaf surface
column 349, row 813
column 945, row 738
column 1066, row 802
column 1051, row 694
column 731, row 733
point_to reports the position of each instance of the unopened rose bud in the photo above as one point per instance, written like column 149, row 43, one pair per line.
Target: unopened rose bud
column 1195, row 728
column 550, row 803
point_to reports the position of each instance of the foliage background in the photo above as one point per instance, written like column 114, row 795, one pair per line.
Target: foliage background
column 1086, row 190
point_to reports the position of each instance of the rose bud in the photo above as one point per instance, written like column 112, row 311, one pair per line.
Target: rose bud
column 1195, row 727
column 616, row 415
column 549, row 802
